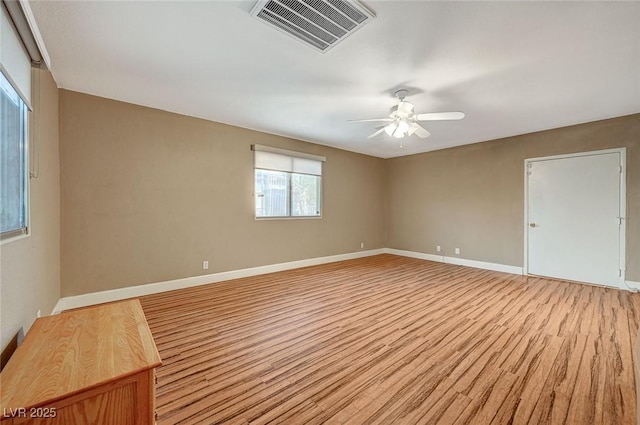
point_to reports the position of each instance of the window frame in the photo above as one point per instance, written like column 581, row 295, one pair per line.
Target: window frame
column 23, row 232
column 289, row 175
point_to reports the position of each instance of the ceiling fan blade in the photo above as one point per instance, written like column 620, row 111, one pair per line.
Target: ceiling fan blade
column 439, row 116
column 372, row 120
column 418, row 130
column 376, row 133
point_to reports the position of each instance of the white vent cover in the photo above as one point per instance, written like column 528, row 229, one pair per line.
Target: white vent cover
column 318, row 23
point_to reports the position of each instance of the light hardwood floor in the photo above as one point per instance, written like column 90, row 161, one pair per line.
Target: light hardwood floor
column 394, row 340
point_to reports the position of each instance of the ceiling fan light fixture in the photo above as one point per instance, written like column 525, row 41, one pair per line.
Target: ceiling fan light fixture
column 401, row 130
column 391, row 128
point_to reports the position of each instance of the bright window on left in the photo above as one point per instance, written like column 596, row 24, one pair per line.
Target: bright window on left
column 14, row 174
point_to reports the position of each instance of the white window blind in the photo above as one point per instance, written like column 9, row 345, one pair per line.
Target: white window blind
column 290, row 164
column 268, row 158
column 15, row 63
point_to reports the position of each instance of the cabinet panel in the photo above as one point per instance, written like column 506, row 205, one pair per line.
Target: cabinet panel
column 91, row 366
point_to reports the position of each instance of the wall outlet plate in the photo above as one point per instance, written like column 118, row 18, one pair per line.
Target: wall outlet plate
column 205, row 265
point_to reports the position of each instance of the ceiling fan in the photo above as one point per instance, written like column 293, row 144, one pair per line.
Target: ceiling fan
column 403, row 121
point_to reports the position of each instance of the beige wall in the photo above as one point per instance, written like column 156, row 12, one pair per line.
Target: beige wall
column 148, row 195
column 472, row 197
column 30, row 267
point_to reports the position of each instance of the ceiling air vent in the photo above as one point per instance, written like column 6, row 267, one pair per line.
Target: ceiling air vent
column 318, row 23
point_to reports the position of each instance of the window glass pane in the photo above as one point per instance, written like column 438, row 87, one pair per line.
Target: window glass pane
column 305, row 195
column 13, row 177
column 272, row 193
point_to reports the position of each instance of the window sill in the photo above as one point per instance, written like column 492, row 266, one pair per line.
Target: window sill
column 15, row 238
column 306, row 217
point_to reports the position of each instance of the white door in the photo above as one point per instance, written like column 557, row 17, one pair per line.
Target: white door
column 574, row 228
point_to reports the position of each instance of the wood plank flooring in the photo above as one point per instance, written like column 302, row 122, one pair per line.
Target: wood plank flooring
column 394, row 340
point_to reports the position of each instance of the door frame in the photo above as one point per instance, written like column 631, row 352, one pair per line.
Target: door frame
column 623, row 204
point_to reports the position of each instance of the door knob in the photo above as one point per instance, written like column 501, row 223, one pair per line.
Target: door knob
column 532, row 224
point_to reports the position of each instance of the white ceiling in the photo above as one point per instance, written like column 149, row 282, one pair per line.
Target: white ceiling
column 512, row 67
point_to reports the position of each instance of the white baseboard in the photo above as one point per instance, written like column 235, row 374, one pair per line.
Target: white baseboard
column 457, row 261
column 414, row 254
column 84, row 300
column 633, row 286
column 630, row 285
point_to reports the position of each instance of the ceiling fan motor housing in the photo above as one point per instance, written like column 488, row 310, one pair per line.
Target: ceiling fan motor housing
column 403, row 110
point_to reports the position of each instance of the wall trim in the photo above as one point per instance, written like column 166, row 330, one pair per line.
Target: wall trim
column 633, row 287
column 457, row 261
column 66, row 303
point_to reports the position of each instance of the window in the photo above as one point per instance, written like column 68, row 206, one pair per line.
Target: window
column 287, row 184
column 15, row 92
column 13, row 161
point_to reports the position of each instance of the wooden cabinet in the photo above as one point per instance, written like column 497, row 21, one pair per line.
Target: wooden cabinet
column 94, row 365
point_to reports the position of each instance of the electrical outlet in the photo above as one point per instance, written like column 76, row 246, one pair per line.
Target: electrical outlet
column 438, row 248
column 458, row 251
column 205, row 265
column 361, row 245
column 39, row 314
